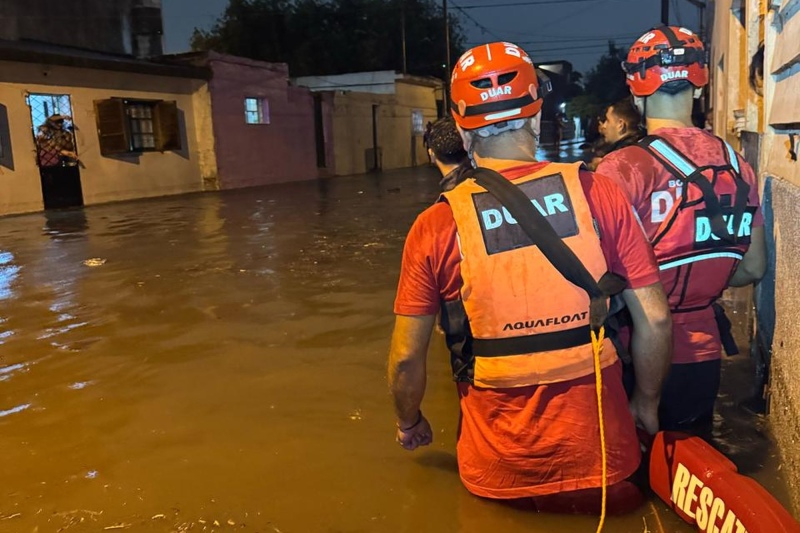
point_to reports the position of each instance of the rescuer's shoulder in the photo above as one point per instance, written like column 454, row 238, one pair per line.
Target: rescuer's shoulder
column 436, row 219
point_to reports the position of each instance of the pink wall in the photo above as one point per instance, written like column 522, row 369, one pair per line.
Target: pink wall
column 260, row 154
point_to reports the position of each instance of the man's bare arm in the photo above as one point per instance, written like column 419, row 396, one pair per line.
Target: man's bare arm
column 408, row 364
column 752, row 267
column 651, row 350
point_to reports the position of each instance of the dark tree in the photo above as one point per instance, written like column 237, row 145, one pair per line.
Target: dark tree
column 603, row 85
column 335, row 36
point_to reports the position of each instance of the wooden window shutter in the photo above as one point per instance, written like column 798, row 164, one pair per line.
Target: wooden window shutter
column 6, row 158
column 112, row 127
column 167, row 126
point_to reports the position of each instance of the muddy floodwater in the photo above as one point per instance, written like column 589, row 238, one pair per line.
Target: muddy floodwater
column 216, row 362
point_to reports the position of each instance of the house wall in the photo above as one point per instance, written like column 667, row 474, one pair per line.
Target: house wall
column 399, row 146
column 776, row 118
column 103, row 179
column 261, row 154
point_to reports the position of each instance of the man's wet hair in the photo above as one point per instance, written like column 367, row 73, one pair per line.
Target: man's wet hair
column 445, row 142
column 628, row 112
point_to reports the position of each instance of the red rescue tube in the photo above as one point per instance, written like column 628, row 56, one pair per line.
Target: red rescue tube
column 705, row 489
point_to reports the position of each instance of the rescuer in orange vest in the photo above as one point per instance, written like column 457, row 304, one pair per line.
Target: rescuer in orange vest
column 517, row 331
column 698, row 203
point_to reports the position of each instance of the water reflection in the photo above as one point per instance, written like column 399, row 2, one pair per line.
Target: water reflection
column 226, row 361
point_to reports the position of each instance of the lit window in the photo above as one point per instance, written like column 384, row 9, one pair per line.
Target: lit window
column 417, row 122
column 140, row 117
column 256, row 111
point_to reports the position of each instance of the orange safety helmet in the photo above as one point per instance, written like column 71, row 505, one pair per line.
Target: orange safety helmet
column 493, row 83
column 663, row 55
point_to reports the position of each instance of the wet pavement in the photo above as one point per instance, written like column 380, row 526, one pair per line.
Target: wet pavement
column 216, row 362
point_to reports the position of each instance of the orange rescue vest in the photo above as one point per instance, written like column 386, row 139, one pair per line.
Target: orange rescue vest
column 518, row 321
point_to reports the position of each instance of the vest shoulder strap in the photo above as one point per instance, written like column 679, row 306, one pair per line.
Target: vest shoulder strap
column 669, row 156
column 550, row 244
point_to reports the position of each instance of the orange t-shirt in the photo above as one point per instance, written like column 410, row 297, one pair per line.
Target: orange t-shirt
column 538, row 440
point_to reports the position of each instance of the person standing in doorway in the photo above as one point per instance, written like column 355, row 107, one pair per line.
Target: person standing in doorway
column 698, row 202
column 529, row 428
column 55, row 145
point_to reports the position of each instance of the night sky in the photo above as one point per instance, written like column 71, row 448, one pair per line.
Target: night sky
column 575, row 30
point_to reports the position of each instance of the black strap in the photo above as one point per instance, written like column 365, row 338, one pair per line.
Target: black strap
column 540, row 342
column 542, row 234
column 493, row 107
column 742, row 190
column 674, row 42
column 713, row 207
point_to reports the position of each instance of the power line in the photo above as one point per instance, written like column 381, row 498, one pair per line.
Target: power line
column 575, row 40
column 478, row 24
column 516, row 4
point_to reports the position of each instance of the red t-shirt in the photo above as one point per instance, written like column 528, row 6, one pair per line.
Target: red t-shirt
column 538, row 440
column 695, row 339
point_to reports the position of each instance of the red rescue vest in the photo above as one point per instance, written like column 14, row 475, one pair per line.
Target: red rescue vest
column 518, row 322
column 706, row 232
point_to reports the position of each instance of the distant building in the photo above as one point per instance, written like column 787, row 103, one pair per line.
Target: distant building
column 379, row 118
column 264, row 130
column 111, row 26
column 554, row 106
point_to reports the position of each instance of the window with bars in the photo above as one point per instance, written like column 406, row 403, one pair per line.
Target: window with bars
column 134, row 126
column 140, row 119
column 256, row 110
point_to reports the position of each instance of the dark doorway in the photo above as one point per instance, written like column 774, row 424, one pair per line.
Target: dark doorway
column 319, row 132
column 56, row 150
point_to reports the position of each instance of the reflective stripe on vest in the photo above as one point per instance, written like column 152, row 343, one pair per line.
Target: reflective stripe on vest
column 684, row 165
column 703, row 257
column 678, row 161
column 528, row 325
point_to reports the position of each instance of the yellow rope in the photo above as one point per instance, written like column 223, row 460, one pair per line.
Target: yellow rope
column 597, row 348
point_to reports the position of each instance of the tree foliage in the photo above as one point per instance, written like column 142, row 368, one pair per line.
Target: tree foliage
column 335, row 36
column 603, row 85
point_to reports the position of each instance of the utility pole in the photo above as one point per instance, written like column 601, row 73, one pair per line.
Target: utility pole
column 403, row 32
column 446, row 93
column 665, row 12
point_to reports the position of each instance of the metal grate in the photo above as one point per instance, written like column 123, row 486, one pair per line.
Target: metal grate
column 42, row 107
column 46, row 105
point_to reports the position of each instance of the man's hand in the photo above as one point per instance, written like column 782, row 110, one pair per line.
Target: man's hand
column 645, row 412
column 420, row 434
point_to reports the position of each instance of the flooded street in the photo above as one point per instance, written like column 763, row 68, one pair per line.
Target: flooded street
column 216, row 362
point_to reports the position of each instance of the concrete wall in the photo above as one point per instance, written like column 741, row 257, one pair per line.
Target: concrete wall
column 776, row 117
column 260, row 154
column 353, row 127
column 103, row 179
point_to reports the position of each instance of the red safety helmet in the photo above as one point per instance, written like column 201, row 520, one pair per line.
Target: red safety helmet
column 663, row 55
column 492, row 83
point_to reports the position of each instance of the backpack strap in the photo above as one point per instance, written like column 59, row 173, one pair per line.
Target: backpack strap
column 742, row 187
column 687, row 172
